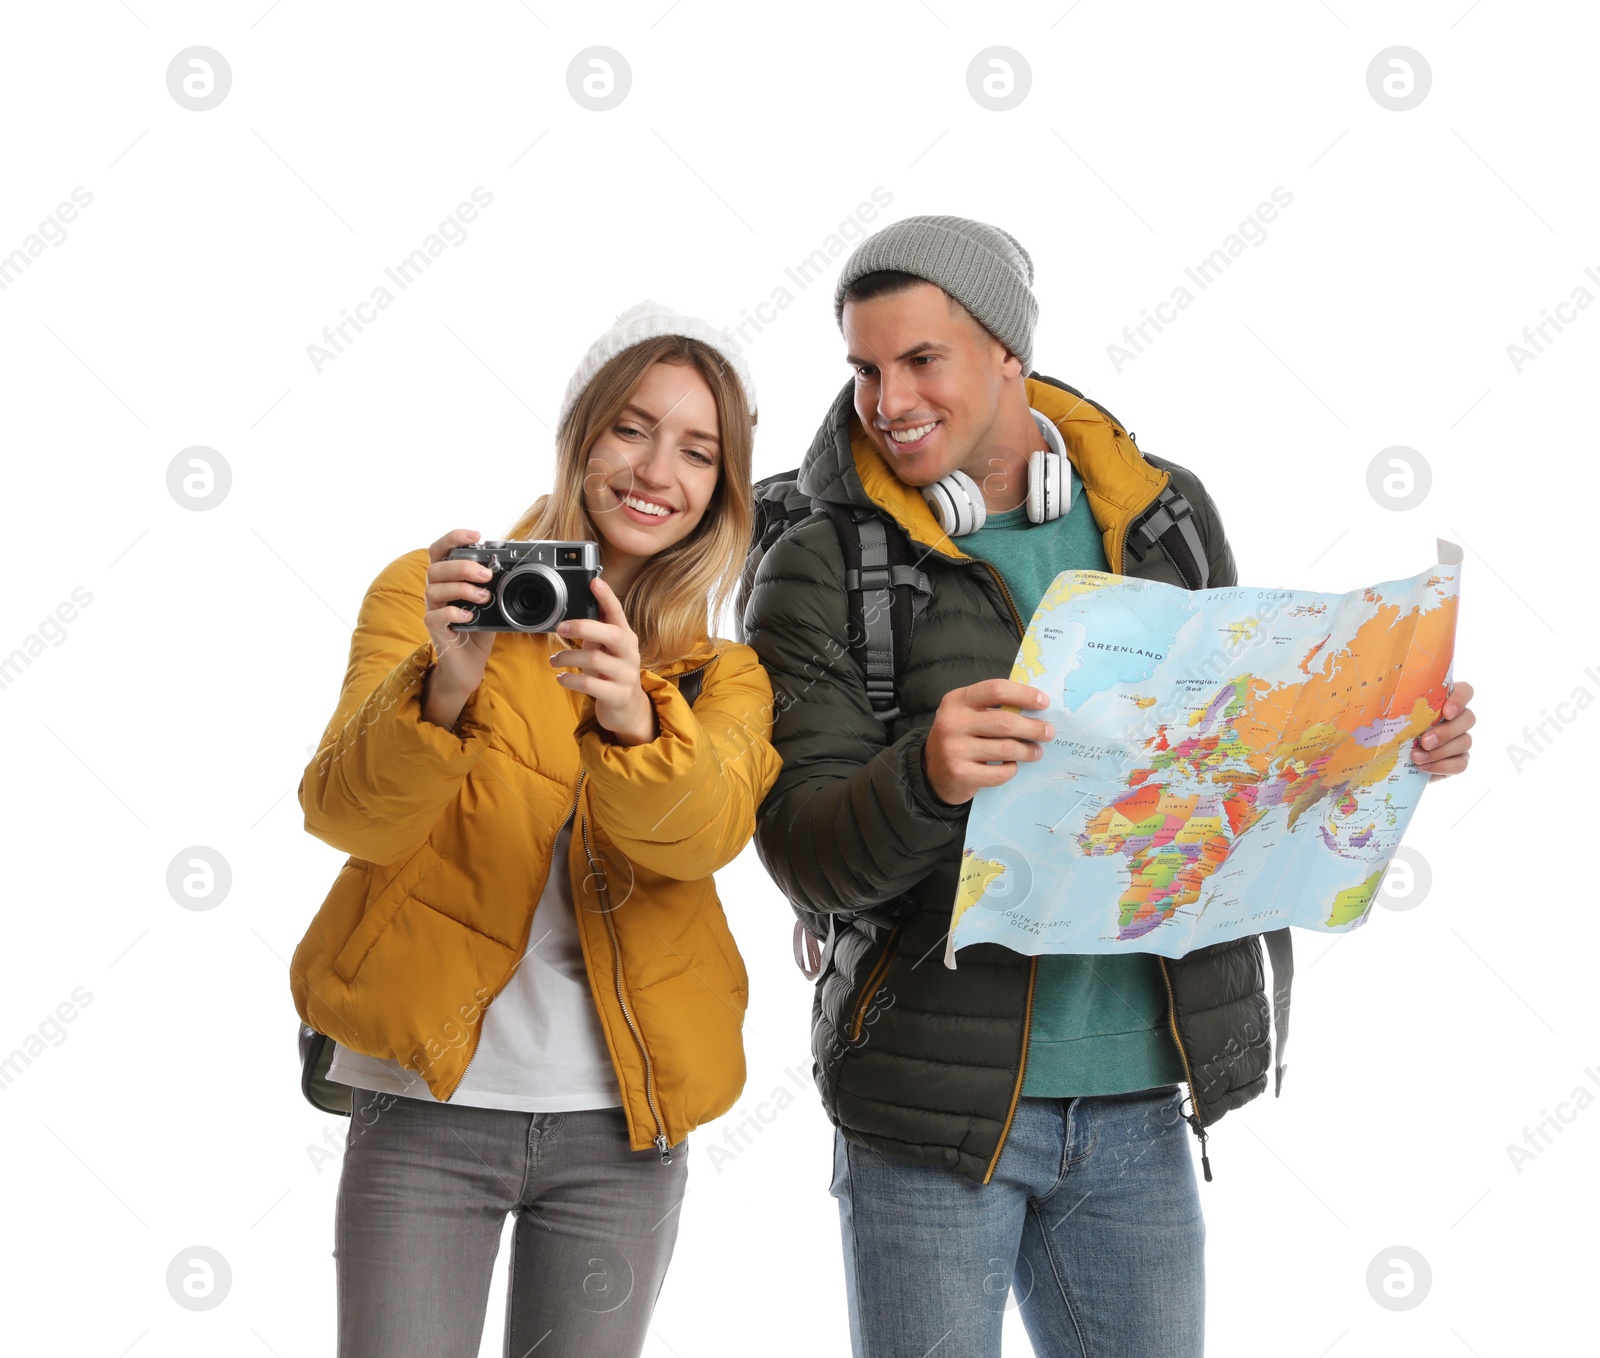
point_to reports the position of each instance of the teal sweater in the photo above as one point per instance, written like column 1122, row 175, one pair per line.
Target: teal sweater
column 1099, row 1023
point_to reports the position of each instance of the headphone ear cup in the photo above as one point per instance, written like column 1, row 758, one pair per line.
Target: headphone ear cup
column 957, row 504
column 1047, row 486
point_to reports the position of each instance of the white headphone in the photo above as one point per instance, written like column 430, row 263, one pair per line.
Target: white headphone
column 957, row 501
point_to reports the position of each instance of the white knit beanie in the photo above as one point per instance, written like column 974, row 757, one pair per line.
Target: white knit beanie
column 648, row 320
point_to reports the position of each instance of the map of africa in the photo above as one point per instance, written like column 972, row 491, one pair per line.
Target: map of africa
column 1225, row 762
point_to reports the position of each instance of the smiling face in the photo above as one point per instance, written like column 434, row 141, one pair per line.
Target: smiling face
column 935, row 391
column 653, row 470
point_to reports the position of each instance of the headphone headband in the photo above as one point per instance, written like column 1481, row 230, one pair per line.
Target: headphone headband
column 957, row 501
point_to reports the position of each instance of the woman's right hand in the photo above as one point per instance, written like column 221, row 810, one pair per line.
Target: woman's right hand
column 462, row 656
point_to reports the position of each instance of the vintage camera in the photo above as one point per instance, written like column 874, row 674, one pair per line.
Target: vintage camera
column 535, row 585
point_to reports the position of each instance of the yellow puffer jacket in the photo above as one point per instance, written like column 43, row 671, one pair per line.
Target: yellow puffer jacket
column 450, row 836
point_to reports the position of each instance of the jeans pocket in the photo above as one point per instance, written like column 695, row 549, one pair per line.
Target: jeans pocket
column 839, row 1181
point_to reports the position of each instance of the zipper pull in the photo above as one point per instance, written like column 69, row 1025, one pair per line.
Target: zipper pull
column 1205, row 1163
column 666, row 1151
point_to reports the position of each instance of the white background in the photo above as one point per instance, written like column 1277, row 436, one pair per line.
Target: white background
column 177, row 708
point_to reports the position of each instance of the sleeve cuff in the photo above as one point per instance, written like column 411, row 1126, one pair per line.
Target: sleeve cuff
column 401, row 694
column 675, row 730
column 916, row 780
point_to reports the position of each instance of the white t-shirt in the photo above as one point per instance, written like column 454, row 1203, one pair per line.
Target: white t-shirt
column 541, row 1049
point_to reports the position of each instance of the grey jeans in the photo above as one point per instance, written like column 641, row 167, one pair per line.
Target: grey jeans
column 423, row 1198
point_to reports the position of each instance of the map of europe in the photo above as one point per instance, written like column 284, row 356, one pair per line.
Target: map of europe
column 1225, row 762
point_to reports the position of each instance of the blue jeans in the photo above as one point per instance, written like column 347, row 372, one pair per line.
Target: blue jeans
column 1091, row 1226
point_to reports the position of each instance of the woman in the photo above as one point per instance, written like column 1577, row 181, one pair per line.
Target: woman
column 524, row 963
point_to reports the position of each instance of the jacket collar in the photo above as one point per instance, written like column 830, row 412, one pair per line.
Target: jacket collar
column 844, row 466
column 702, row 653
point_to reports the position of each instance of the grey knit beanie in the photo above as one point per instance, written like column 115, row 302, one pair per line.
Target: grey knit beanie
column 981, row 266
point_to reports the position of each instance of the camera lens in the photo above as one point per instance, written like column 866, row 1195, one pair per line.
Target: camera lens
column 532, row 597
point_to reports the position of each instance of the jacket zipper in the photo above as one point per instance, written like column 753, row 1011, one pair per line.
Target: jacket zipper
column 1195, row 1121
column 1033, row 970
column 1033, row 965
column 1193, row 1118
column 479, row 1041
column 661, row 1143
column 868, row 990
column 1022, row 1070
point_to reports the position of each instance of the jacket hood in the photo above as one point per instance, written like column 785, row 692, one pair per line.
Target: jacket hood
column 844, row 466
column 828, row 470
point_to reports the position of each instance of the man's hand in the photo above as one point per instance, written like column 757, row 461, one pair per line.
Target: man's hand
column 973, row 743
column 1442, row 750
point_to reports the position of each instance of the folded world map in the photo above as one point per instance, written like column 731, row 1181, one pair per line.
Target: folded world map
column 1225, row 762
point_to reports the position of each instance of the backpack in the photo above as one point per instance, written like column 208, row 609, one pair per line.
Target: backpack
column 886, row 591
column 317, row 1049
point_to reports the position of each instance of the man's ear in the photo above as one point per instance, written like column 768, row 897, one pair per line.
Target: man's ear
column 1011, row 365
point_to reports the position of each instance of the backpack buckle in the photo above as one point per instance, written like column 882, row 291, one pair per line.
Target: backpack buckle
column 880, row 693
column 1169, row 510
column 870, row 577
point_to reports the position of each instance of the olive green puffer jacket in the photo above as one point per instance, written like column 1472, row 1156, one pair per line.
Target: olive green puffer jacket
column 913, row 1059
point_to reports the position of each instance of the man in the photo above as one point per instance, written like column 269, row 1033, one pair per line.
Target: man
column 1012, row 1127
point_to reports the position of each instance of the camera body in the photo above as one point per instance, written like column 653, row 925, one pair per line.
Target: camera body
column 535, row 585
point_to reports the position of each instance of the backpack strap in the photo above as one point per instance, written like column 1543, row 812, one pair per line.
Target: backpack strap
column 885, row 587
column 1280, row 952
column 886, row 592
column 777, row 506
column 808, row 949
column 1169, row 524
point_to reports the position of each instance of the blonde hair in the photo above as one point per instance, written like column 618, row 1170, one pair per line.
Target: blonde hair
column 679, row 588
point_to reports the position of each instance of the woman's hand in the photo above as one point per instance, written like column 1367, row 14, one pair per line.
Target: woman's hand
column 608, row 669
column 462, row 656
